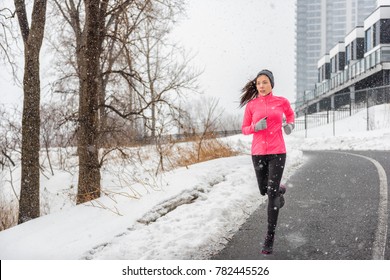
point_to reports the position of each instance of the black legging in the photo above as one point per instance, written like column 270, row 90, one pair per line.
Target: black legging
column 269, row 171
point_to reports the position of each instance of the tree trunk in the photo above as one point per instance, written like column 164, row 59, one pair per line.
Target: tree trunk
column 29, row 193
column 88, row 142
column 102, row 116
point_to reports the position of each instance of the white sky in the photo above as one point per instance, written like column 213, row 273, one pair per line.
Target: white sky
column 233, row 40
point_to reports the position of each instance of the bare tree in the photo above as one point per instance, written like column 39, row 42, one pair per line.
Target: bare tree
column 92, row 23
column 8, row 40
column 230, row 122
column 32, row 38
column 202, row 121
column 113, row 70
column 165, row 71
column 209, row 114
column 10, row 141
column 88, row 62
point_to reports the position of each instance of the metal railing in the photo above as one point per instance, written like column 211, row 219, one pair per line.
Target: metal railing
column 349, row 104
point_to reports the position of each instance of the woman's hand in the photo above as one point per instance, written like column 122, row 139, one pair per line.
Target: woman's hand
column 261, row 124
column 288, row 128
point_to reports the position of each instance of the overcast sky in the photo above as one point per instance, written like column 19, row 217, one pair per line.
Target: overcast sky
column 233, row 40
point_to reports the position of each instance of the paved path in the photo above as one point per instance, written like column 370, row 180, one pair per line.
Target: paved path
column 336, row 208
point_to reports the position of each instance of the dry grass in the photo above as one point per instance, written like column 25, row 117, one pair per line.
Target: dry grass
column 8, row 214
column 199, row 150
column 209, row 149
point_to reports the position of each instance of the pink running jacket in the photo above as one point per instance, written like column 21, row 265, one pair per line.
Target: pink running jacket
column 269, row 140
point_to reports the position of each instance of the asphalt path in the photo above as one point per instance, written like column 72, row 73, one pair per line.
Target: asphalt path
column 336, row 209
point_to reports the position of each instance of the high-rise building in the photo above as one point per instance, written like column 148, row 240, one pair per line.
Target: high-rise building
column 320, row 24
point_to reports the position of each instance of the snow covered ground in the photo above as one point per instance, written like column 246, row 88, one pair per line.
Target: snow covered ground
column 190, row 213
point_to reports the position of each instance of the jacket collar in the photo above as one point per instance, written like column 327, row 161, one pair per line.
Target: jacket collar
column 269, row 95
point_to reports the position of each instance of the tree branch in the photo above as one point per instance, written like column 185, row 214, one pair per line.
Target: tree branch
column 20, row 7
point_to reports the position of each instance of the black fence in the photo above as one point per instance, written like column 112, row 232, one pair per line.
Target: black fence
column 345, row 105
column 179, row 137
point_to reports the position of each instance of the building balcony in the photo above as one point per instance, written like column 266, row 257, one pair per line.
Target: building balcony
column 376, row 60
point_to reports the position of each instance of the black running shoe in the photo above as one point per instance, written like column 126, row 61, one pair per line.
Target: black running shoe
column 282, row 189
column 268, row 245
column 263, row 190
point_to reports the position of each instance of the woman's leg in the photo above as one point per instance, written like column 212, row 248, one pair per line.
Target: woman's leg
column 275, row 172
column 260, row 163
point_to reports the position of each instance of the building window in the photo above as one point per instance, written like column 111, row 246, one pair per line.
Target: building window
column 385, row 31
column 341, row 61
column 347, row 54
column 376, row 32
column 353, row 46
column 368, row 39
column 359, row 48
column 332, row 65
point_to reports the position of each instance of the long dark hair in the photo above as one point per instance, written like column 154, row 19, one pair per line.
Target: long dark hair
column 249, row 91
